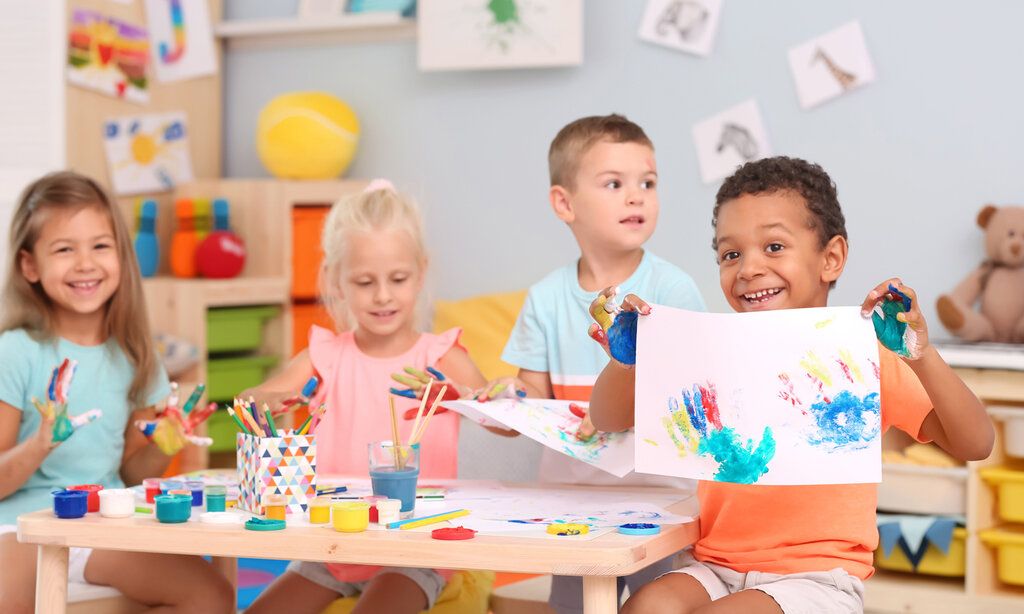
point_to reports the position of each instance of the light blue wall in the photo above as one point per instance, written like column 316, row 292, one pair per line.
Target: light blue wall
column 915, row 154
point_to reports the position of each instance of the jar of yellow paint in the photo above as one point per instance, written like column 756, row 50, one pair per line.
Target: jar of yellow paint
column 319, row 510
column 275, row 504
column 351, row 516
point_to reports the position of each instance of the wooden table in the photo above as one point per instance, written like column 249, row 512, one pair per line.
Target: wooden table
column 599, row 561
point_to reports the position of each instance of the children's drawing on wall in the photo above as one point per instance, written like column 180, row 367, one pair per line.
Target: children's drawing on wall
column 108, row 55
column 553, row 424
column 779, row 397
column 686, row 25
column 482, row 34
column 729, row 139
column 831, row 65
column 147, row 153
column 182, row 39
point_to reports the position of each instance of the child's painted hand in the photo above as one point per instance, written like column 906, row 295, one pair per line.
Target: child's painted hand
column 617, row 335
column 586, row 430
column 501, row 388
column 59, row 424
column 175, row 427
column 430, row 383
column 899, row 323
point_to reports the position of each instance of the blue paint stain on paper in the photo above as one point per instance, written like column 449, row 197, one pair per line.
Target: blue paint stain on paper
column 738, row 461
column 846, row 421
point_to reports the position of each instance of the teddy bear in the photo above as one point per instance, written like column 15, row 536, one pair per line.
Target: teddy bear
column 997, row 285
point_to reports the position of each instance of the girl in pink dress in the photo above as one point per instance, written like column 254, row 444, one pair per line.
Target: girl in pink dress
column 371, row 279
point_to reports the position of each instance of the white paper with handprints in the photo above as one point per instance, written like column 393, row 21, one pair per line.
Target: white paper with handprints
column 775, row 397
column 831, row 65
column 551, row 423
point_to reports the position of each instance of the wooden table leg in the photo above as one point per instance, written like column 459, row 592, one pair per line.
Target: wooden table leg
column 52, row 580
column 600, row 595
column 229, row 567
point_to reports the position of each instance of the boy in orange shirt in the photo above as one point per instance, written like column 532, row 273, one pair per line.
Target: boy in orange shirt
column 780, row 241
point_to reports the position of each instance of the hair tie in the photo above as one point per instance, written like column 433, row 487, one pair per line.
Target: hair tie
column 380, row 184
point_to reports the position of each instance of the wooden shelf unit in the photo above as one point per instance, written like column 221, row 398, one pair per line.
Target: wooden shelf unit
column 980, row 591
column 310, row 31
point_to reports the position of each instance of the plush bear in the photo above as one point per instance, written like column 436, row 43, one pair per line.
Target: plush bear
column 998, row 284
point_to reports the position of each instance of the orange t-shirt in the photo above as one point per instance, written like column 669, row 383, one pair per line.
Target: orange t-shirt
column 797, row 529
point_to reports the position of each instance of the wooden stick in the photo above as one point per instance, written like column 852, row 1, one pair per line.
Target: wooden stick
column 433, row 407
column 395, row 443
column 423, row 405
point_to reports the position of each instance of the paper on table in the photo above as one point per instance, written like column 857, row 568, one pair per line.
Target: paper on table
column 552, row 424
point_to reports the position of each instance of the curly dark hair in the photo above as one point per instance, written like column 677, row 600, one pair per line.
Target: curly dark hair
column 781, row 173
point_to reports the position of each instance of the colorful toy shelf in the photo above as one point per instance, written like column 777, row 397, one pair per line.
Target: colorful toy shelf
column 1000, row 384
column 349, row 28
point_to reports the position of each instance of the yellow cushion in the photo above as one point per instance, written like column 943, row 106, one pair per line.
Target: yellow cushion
column 467, row 592
column 486, row 323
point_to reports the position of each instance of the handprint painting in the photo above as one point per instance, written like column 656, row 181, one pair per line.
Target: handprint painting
column 776, row 398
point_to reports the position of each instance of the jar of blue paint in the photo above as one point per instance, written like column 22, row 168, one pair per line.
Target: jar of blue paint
column 70, row 503
column 196, row 486
column 168, row 485
column 173, row 508
column 215, row 498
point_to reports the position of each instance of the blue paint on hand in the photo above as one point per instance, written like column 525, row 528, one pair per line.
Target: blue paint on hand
column 408, row 393
column 847, row 421
column 888, row 329
column 622, row 338
column 738, row 462
column 437, row 374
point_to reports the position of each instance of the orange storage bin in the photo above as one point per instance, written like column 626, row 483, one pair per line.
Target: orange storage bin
column 304, row 316
column 307, row 224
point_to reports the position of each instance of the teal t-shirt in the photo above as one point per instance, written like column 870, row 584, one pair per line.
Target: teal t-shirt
column 92, row 455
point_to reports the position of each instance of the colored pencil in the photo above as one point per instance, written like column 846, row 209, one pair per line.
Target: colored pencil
column 270, row 420
column 234, row 417
column 423, row 521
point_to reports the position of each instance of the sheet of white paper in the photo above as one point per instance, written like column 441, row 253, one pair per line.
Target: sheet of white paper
column 552, row 424
column 831, row 65
column 455, row 34
column 686, row 25
column 181, row 39
column 774, row 397
column 730, row 138
column 147, row 153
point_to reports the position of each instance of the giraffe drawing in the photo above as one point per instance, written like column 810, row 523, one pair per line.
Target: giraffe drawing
column 845, row 78
column 686, row 17
column 740, row 139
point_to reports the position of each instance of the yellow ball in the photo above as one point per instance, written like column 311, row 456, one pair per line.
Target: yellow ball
column 307, row 135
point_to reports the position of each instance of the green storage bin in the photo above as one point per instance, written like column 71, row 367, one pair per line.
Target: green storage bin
column 221, row 428
column 226, row 377
column 236, row 329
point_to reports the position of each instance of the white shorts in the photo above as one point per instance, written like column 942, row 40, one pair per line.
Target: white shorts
column 431, row 582
column 77, row 557
column 798, row 593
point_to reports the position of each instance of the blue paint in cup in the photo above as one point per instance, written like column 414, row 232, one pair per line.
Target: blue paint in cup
column 196, row 486
column 70, row 503
column 396, row 484
column 168, row 485
column 173, row 508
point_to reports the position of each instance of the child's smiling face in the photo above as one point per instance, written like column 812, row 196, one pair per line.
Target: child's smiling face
column 770, row 255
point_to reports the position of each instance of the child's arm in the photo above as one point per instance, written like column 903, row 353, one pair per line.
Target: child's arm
column 141, row 459
column 958, row 422
column 18, row 461
column 284, row 385
column 612, row 400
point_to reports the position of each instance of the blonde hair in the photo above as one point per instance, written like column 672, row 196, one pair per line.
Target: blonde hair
column 372, row 210
column 574, row 140
column 27, row 306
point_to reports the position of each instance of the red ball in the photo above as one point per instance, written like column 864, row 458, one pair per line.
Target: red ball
column 221, row 255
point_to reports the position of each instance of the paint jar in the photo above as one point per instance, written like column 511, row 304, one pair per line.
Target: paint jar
column 173, row 508
column 117, row 503
column 389, row 510
column 93, row 490
column 166, row 486
column 180, row 491
column 215, row 496
column 196, row 488
column 394, row 471
column 351, row 516
column 319, row 510
column 70, row 503
column 372, row 500
column 275, row 506
column 152, row 486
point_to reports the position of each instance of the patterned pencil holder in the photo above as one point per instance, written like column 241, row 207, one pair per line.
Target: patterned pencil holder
column 283, row 465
